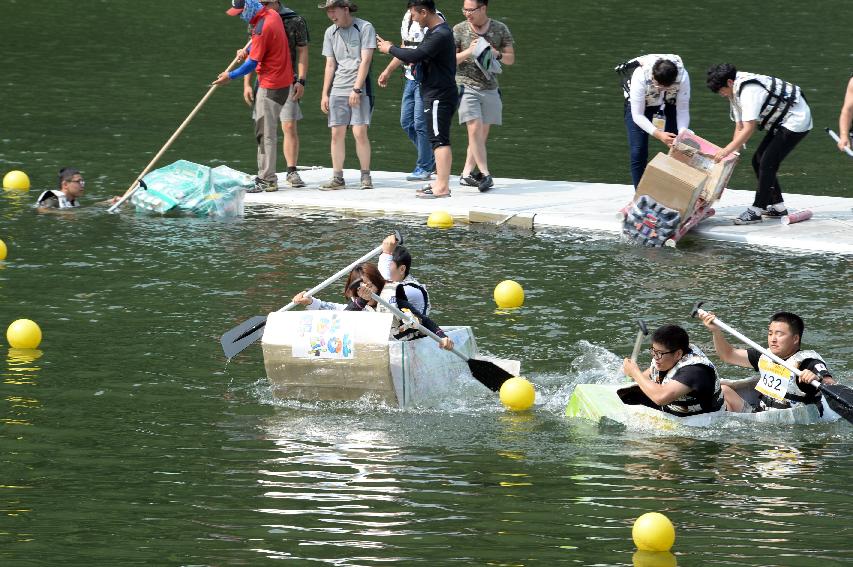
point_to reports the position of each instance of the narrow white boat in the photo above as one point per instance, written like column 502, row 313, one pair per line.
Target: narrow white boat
column 346, row 355
column 622, row 403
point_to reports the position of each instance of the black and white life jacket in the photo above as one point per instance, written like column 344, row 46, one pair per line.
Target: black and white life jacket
column 653, row 93
column 781, row 97
column 64, row 201
column 389, row 294
column 792, row 394
column 689, row 404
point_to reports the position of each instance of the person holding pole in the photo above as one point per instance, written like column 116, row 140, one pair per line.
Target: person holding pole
column 777, row 388
column 845, row 119
column 269, row 56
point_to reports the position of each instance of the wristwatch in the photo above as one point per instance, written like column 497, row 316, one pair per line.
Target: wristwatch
column 355, row 90
column 301, row 81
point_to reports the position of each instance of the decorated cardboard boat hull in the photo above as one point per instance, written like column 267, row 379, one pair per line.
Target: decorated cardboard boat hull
column 344, row 355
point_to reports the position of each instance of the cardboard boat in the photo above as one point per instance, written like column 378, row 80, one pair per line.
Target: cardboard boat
column 347, row 355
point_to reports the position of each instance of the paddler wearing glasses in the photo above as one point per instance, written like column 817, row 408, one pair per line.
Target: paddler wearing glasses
column 681, row 380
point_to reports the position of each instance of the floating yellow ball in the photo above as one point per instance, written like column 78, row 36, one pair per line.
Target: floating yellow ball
column 440, row 219
column 3, row 250
column 509, row 294
column 653, row 532
column 23, row 333
column 17, row 180
column 517, row 394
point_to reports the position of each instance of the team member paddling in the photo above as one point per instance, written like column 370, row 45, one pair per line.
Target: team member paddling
column 777, row 387
column 395, row 265
column 681, row 379
column 759, row 102
column 657, row 103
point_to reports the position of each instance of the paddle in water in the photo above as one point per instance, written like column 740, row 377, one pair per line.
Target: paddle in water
column 235, row 340
column 838, row 397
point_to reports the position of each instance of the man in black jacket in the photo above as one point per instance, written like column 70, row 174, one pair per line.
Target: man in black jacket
column 435, row 60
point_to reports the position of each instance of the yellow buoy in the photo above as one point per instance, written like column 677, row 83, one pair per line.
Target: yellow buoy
column 23, row 333
column 16, row 180
column 440, row 219
column 517, row 394
column 509, row 294
column 653, row 532
column 3, row 250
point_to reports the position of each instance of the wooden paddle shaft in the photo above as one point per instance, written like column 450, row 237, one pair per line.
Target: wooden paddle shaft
column 171, row 140
column 835, row 137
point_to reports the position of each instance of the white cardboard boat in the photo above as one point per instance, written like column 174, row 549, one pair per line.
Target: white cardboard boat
column 620, row 403
column 347, row 355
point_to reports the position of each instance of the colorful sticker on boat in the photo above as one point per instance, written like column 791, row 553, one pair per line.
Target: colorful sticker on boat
column 323, row 335
column 774, row 379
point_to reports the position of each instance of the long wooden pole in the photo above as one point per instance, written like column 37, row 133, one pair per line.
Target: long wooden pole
column 135, row 185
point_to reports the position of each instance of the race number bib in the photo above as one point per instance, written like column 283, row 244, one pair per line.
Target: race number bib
column 774, row 379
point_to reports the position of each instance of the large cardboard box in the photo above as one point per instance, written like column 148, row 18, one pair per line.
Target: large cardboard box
column 698, row 153
column 673, row 184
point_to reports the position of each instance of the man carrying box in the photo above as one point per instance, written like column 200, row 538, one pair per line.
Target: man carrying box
column 763, row 103
column 657, row 103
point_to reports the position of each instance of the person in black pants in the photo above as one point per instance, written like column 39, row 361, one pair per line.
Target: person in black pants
column 435, row 60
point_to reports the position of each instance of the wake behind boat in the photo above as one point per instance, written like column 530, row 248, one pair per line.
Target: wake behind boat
column 623, row 403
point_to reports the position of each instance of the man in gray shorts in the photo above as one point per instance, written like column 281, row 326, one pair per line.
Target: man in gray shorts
column 480, row 103
column 296, row 29
column 348, row 46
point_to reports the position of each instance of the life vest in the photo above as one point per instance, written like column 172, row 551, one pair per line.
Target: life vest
column 654, row 95
column 776, row 380
column 781, row 96
column 689, row 404
column 64, row 202
column 389, row 294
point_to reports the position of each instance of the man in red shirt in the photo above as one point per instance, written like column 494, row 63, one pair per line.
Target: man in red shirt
column 269, row 56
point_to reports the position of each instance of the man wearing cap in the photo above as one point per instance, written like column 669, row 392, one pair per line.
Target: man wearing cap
column 347, row 99
column 296, row 29
column 435, row 58
column 269, row 55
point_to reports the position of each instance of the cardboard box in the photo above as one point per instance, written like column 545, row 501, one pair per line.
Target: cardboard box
column 672, row 183
column 699, row 153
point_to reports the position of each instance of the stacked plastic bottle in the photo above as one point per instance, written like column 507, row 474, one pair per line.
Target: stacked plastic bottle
column 649, row 223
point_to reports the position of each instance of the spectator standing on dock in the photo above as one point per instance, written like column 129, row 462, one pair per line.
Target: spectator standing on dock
column 780, row 389
column 435, row 60
column 296, row 29
column 760, row 102
column 347, row 97
column 270, row 57
column 412, row 118
column 482, row 46
column 846, row 118
column 657, row 103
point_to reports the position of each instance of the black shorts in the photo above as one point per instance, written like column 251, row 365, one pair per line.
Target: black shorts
column 439, row 116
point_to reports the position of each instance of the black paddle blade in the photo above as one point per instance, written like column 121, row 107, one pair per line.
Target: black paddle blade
column 488, row 373
column 234, row 341
column 840, row 399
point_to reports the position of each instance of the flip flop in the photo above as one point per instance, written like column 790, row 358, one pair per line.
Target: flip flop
column 428, row 194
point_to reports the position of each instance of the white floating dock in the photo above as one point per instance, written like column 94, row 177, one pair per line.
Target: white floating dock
column 536, row 204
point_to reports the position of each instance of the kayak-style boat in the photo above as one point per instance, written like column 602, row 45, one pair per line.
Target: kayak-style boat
column 347, row 355
column 623, row 403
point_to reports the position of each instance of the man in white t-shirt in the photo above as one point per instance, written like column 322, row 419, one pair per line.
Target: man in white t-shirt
column 760, row 102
